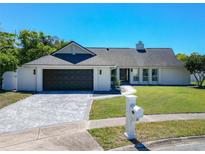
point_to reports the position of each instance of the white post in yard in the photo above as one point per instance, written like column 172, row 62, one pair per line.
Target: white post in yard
column 133, row 113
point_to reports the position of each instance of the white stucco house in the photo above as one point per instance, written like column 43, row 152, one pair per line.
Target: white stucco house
column 75, row 67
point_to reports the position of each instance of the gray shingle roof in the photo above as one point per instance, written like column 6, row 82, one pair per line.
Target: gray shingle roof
column 123, row 57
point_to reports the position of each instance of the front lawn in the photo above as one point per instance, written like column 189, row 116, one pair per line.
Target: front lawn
column 113, row 137
column 154, row 100
column 8, row 97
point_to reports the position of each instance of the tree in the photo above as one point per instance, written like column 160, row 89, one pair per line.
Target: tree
column 8, row 62
column 8, row 43
column 181, row 56
column 195, row 64
column 16, row 50
column 36, row 44
column 8, row 53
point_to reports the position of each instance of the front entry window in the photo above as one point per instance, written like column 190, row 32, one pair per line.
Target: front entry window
column 135, row 74
column 145, row 74
column 154, row 74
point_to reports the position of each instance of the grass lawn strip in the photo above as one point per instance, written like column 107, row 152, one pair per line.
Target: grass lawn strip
column 107, row 108
column 113, row 137
column 8, row 97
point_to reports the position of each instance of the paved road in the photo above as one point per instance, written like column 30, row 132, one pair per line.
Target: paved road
column 45, row 109
column 197, row 146
column 176, row 144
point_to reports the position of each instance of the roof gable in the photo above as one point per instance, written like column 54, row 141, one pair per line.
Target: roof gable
column 74, row 58
column 73, row 48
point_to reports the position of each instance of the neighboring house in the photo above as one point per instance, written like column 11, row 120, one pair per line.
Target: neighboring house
column 75, row 67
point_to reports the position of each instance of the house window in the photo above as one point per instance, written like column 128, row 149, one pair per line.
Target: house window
column 145, row 74
column 154, row 74
column 135, row 74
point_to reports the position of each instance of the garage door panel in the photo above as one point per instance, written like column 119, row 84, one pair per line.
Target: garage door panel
column 54, row 79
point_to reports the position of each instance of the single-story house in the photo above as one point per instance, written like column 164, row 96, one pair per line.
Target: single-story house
column 75, row 67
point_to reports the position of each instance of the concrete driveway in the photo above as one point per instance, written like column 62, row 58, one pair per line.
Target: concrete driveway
column 45, row 109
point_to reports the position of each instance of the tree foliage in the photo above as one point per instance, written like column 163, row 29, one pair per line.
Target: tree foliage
column 36, row 44
column 181, row 56
column 195, row 64
column 8, row 43
column 8, row 62
column 8, row 53
column 17, row 49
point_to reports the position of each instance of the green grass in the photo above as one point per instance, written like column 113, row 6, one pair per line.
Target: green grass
column 154, row 100
column 9, row 97
column 113, row 137
column 112, row 107
column 194, row 83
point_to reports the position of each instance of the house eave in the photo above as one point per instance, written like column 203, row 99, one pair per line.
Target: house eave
column 68, row 66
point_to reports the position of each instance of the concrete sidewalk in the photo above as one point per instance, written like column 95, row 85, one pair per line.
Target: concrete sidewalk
column 125, row 90
column 74, row 136
column 79, row 141
column 111, row 122
column 68, row 136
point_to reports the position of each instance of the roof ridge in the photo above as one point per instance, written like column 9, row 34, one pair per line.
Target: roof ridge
column 110, row 47
column 123, row 48
column 158, row 48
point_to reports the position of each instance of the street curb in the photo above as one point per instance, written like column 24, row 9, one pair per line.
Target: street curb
column 175, row 140
column 163, row 142
column 89, row 106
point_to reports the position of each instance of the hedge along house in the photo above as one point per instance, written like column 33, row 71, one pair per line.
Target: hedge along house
column 75, row 67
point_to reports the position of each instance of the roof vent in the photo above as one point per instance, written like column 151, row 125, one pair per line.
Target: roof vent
column 140, row 47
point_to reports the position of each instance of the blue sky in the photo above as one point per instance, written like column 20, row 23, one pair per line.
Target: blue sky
column 179, row 26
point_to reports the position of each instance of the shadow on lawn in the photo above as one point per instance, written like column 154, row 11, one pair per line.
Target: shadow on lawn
column 202, row 88
column 2, row 91
column 139, row 146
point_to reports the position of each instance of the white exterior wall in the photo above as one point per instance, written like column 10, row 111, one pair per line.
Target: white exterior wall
column 166, row 76
column 102, row 82
column 9, row 81
column 26, row 80
column 39, row 79
column 175, row 76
